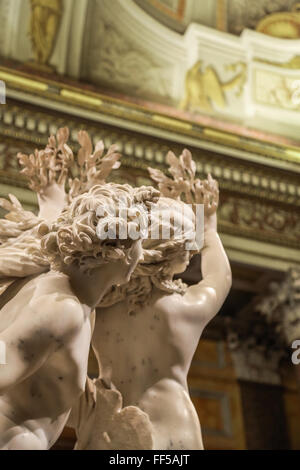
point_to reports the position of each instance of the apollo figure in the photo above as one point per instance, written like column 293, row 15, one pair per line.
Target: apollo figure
column 147, row 331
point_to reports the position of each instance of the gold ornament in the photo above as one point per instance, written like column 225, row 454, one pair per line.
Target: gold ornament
column 45, row 20
column 285, row 25
column 203, row 88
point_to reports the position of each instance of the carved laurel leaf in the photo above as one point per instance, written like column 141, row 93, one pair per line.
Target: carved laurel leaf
column 184, row 185
column 109, row 164
column 157, row 175
column 51, row 165
column 99, row 149
column 86, row 147
column 62, row 136
column 188, row 163
column 175, row 169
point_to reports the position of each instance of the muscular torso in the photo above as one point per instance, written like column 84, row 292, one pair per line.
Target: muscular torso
column 41, row 403
column 147, row 357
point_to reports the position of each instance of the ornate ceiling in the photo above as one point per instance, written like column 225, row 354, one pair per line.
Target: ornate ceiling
column 114, row 69
column 178, row 14
column 155, row 75
column 243, row 84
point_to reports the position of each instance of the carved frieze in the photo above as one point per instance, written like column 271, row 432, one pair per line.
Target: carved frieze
column 278, row 90
column 260, row 219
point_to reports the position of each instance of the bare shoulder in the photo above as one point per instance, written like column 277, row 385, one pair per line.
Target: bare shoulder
column 199, row 294
column 56, row 305
column 172, row 302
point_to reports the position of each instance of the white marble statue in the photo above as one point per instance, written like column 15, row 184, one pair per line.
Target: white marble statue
column 146, row 332
column 46, row 309
column 54, row 273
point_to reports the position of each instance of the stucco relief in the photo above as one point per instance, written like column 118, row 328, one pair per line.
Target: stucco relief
column 260, row 219
column 277, row 90
column 204, row 89
column 117, row 61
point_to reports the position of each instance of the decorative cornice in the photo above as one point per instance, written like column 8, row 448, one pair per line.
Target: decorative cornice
column 256, row 203
column 65, row 94
column 33, row 125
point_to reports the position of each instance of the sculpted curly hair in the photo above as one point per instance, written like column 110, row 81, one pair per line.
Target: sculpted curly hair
column 76, row 237
column 160, row 254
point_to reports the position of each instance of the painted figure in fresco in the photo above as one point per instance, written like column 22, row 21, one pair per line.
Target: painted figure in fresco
column 45, row 20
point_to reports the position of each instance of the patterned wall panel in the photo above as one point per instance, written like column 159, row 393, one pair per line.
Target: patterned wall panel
column 215, row 394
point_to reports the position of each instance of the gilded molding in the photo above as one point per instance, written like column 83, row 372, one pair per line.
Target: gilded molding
column 64, row 94
column 34, row 125
column 257, row 202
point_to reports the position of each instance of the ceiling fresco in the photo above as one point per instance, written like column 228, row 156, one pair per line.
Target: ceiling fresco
column 231, row 15
column 178, row 14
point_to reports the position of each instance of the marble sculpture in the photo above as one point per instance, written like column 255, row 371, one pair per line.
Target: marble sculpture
column 66, row 283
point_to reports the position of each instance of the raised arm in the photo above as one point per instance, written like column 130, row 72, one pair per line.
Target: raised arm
column 47, row 171
column 205, row 299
